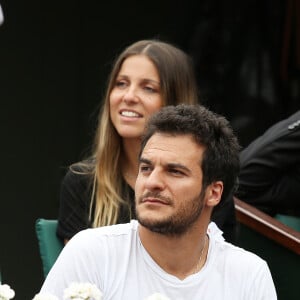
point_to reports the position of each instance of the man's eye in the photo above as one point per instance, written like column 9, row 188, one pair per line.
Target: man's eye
column 144, row 168
column 176, row 172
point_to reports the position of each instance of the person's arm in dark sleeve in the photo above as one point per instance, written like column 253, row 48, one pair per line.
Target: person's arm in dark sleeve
column 75, row 201
column 269, row 175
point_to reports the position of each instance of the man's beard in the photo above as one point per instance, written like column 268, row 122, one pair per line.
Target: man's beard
column 178, row 223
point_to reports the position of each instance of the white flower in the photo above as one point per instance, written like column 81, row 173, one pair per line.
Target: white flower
column 157, row 296
column 6, row 292
column 82, row 291
column 44, row 297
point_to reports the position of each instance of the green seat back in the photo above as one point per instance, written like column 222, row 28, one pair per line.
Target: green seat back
column 291, row 221
column 49, row 244
column 283, row 263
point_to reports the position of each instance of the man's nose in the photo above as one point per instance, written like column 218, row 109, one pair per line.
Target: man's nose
column 155, row 180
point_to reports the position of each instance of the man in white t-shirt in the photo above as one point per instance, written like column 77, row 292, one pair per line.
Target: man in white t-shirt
column 189, row 158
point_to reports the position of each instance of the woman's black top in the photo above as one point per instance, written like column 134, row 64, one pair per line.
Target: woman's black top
column 75, row 199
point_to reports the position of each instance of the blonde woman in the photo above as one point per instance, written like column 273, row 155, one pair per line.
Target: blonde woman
column 98, row 191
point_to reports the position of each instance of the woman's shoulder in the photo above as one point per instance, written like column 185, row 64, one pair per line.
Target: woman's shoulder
column 80, row 173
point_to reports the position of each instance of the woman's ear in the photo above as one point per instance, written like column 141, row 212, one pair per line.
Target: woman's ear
column 214, row 193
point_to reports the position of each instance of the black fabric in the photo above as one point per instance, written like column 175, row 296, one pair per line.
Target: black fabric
column 270, row 169
column 76, row 197
column 224, row 216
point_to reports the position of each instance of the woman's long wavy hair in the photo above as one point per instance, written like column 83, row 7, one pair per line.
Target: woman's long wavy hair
column 178, row 85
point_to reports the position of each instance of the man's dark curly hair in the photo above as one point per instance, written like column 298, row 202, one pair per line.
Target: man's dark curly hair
column 221, row 155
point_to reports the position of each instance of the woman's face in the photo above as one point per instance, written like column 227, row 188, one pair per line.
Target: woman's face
column 135, row 96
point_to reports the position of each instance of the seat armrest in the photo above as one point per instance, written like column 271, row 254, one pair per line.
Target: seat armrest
column 267, row 226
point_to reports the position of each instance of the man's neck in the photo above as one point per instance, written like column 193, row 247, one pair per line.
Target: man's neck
column 181, row 255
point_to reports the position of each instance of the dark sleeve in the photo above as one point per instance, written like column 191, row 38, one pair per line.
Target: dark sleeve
column 270, row 174
column 75, row 201
column 224, row 216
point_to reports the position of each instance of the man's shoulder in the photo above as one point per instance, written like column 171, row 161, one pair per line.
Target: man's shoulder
column 280, row 132
column 109, row 231
column 226, row 251
column 96, row 240
column 117, row 229
column 238, row 257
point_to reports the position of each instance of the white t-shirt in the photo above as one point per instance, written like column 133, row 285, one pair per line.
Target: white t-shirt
column 115, row 260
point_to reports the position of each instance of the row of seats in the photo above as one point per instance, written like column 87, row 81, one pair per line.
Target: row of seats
column 291, row 221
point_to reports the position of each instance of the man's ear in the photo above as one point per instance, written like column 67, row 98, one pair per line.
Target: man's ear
column 214, row 193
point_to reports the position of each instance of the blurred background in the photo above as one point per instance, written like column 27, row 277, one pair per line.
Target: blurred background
column 54, row 60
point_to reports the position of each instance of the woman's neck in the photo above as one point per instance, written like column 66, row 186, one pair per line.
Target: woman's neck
column 131, row 149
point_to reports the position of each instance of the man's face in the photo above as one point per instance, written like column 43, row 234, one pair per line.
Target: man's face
column 169, row 197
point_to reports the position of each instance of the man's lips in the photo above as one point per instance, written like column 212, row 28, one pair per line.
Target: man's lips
column 154, row 201
column 154, row 197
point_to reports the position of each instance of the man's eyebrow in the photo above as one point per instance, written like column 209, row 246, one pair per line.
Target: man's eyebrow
column 169, row 165
column 145, row 161
column 178, row 166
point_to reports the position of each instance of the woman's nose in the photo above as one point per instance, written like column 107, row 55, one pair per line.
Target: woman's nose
column 130, row 95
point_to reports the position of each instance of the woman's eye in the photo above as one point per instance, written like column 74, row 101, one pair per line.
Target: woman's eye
column 121, row 83
column 150, row 89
